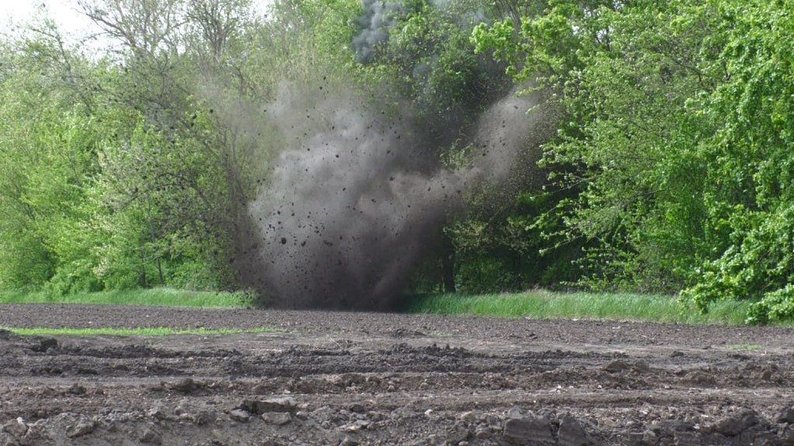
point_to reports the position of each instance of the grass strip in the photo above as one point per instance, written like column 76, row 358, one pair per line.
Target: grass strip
column 143, row 331
column 607, row 306
column 156, row 297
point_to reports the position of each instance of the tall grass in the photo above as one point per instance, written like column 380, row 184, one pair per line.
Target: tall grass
column 611, row 306
column 160, row 297
column 531, row 304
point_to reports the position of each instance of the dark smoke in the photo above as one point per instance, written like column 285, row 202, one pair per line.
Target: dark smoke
column 378, row 17
column 354, row 202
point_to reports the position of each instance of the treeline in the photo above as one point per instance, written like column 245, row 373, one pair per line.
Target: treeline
column 670, row 170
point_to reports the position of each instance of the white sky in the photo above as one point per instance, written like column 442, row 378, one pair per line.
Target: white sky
column 74, row 25
column 64, row 12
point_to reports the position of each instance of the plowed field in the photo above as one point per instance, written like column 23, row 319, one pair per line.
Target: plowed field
column 361, row 378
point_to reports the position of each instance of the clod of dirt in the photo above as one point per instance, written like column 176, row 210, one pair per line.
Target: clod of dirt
column 150, row 436
column 458, row 434
column 571, row 433
column 239, row 415
column 482, row 433
column 531, row 428
column 270, row 405
column 76, row 389
column 5, row 334
column 736, row 424
column 348, row 442
column 787, row 435
column 355, row 426
column 202, row 418
column 406, row 333
column 277, row 418
column 358, row 408
column 83, row 427
column 701, row 378
column 45, row 344
column 157, row 413
column 185, row 386
column 649, row 437
column 786, row 415
column 16, row 428
column 7, row 440
column 468, row 417
column 619, row 365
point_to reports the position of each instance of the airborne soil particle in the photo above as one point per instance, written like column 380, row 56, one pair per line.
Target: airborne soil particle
column 359, row 378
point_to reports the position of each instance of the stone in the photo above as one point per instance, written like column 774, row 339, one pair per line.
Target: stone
column 277, row 418
column 571, row 433
column 536, row 430
column 239, row 415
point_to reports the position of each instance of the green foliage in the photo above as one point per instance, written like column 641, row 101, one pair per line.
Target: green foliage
column 753, row 158
column 678, row 133
column 47, row 155
column 775, row 306
column 672, row 169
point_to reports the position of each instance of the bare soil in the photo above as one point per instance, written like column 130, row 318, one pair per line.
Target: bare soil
column 364, row 378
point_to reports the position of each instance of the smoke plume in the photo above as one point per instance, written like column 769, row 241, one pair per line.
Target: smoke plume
column 375, row 22
column 353, row 202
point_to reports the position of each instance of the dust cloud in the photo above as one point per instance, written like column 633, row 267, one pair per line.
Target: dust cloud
column 353, row 202
column 356, row 196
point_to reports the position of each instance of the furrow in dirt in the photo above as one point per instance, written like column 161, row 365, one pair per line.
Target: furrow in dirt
column 350, row 378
